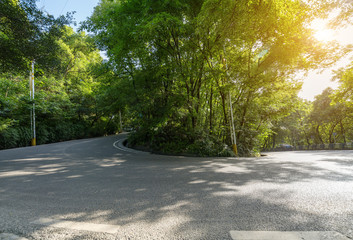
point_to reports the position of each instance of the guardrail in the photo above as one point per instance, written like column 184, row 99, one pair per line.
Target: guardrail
column 330, row 146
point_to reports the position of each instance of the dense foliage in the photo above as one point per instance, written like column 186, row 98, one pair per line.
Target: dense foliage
column 182, row 63
column 26, row 33
column 175, row 71
column 67, row 66
column 328, row 119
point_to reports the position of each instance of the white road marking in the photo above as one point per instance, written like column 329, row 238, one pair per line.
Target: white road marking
column 118, row 144
column 276, row 235
column 81, row 226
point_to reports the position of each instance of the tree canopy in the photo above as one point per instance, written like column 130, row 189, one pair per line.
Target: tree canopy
column 183, row 61
column 26, row 33
column 176, row 69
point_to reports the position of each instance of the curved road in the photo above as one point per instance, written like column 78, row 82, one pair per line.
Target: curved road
column 90, row 189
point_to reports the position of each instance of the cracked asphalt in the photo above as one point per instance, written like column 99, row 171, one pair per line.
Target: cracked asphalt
column 79, row 189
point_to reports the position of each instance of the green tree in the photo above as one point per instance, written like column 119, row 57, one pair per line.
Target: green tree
column 343, row 97
column 179, row 61
column 66, row 98
column 26, row 33
column 294, row 129
column 327, row 117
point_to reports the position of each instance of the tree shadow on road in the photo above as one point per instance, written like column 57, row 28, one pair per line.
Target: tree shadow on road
column 149, row 196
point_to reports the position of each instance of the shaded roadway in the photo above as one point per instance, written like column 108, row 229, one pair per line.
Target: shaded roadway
column 166, row 197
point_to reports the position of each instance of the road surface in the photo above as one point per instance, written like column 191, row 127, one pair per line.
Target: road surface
column 93, row 189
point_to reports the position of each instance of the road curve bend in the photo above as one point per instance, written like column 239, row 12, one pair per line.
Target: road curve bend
column 97, row 189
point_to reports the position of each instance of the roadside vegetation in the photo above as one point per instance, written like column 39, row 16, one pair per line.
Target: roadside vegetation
column 174, row 71
column 68, row 102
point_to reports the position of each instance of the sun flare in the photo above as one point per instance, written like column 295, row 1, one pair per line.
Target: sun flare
column 321, row 32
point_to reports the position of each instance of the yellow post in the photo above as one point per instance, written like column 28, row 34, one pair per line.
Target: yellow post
column 33, row 142
column 235, row 150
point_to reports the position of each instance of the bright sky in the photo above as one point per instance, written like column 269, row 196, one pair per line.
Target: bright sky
column 314, row 83
column 83, row 8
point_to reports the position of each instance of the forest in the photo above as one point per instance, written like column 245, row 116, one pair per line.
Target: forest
column 187, row 76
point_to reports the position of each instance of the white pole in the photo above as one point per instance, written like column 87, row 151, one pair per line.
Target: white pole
column 232, row 134
column 231, row 114
column 231, row 120
column 235, row 149
column 30, row 97
column 121, row 124
column 33, row 109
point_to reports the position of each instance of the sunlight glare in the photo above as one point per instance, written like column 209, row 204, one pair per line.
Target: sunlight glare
column 322, row 32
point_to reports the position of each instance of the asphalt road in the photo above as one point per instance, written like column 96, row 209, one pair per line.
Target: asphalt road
column 89, row 189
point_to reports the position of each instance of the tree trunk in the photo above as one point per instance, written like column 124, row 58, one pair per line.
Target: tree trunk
column 306, row 137
column 343, row 132
column 318, row 134
column 224, row 107
column 331, row 133
column 273, row 141
column 245, row 110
